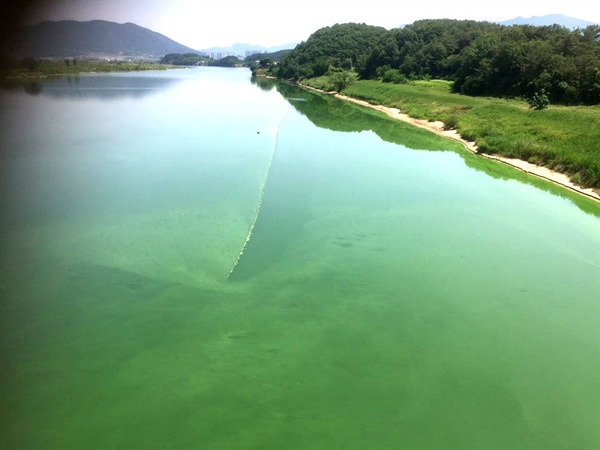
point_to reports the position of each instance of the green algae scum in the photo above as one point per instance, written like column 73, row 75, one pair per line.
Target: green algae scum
column 394, row 291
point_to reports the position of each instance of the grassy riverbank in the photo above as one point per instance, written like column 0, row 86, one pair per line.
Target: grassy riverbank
column 563, row 138
column 41, row 68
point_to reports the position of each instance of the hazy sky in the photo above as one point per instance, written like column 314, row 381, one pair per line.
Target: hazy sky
column 206, row 23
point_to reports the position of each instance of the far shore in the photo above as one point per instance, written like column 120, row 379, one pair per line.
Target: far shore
column 50, row 69
column 438, row 128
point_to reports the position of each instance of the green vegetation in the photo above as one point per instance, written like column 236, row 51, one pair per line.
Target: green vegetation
column 483, row 59
column 273, row 56
column 564, row 138
column 333, row 80
column 34, row 67
column 228, row 61
column 344, row 46
column 265, row 63
column 498, row 86
column 539, row 100
column 194, row 59
column 185, row 59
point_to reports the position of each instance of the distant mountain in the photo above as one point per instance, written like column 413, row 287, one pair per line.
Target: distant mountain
column 550, row 19
column 69, row 38
column 241, row 49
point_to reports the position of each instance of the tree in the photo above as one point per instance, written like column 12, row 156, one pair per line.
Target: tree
column 480, row 58
column 385, row 53
column 393, row 76
column 228, row 61
column 186, row 59
column 341, row 46
column 539, row 100
column 342, row 79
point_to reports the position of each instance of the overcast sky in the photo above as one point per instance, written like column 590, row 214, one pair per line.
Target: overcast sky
column 206, row 23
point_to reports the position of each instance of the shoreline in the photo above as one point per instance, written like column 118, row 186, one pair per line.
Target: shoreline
column 100, row 67
column 437, row 128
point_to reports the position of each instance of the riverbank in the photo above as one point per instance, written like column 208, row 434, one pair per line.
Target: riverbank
column 35, row 69
column 438, row 127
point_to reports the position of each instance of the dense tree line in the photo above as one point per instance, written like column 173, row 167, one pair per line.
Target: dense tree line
column 271, row 56
column 341, row 46
column 481, row 58
column 194, row 59
column 185, row 59
column 228, row 61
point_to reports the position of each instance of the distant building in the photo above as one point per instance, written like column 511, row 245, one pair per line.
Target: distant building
column 220, row 55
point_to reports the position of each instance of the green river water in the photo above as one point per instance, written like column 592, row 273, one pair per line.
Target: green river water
column 395, row 292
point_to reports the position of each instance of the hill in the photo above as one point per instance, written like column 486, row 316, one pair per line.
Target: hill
column 550, row 19
column 480, row 58
column 69, row 38
column 469, row 63
column 342, row 46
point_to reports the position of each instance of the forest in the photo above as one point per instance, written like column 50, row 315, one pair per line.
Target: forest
column 195, row 59
column 480, row 58
column 185, row 59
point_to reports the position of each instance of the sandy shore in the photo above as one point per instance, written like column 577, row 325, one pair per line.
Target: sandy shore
column 438, row 128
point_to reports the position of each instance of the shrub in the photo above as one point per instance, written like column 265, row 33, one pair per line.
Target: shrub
column 539, row 100
column 394, row 76
column 342, row 79
column 451, row 123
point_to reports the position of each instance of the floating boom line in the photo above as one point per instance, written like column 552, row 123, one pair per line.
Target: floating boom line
column 260, row 201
